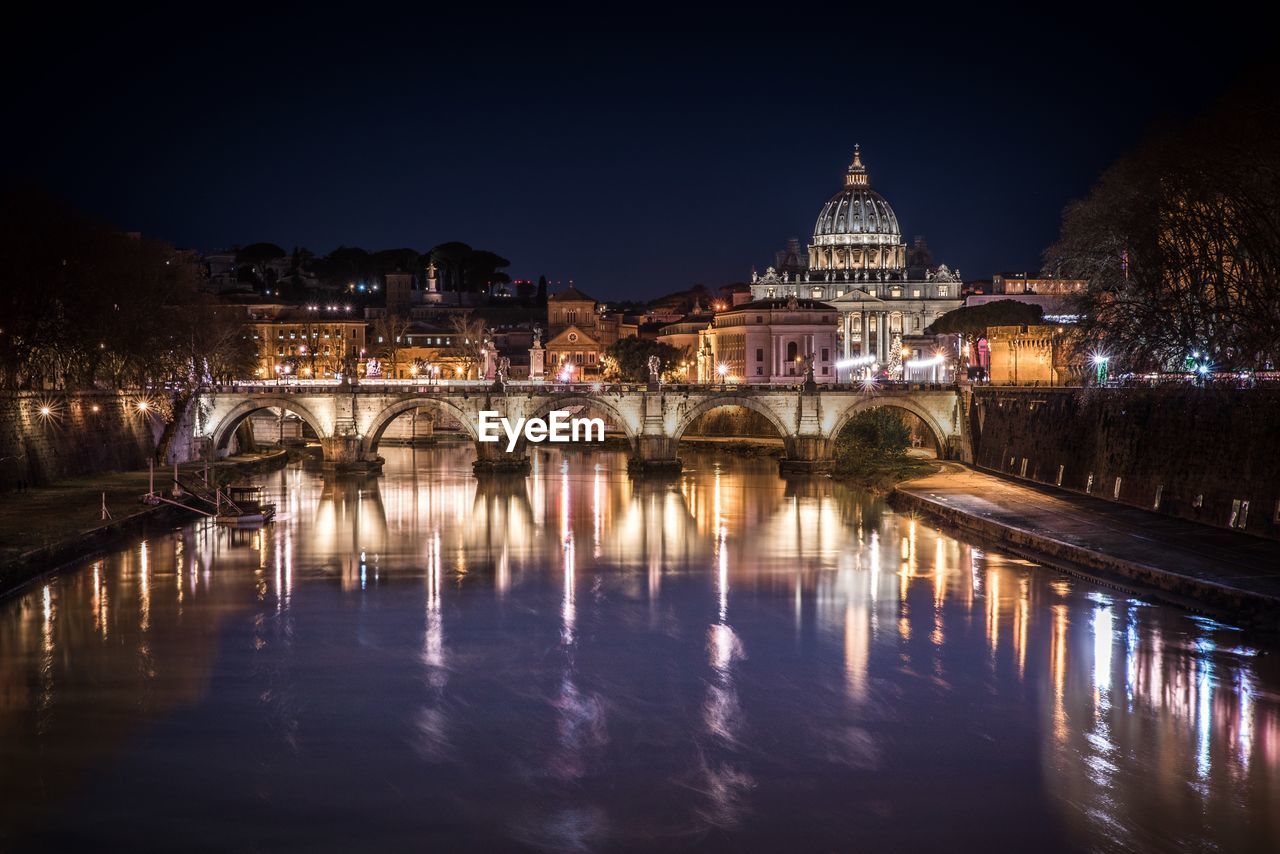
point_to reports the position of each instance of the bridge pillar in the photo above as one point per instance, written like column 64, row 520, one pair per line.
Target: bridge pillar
column 655, row 451
column 808, row 450
column 492, row 458
column 654, row 455
column 806, row 454
column 346, row 452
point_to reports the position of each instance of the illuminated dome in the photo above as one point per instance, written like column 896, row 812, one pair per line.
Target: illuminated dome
column 857, row 229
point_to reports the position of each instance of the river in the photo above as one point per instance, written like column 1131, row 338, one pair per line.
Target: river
column 580, row 661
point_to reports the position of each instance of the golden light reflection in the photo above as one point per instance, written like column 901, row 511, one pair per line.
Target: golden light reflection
column 1150, row 707
column 939, row 572
column 857, row 650
column 993, row 610
column 433, row 639
column 99, row 622
column 1021, row 622
column 144, row 587
column 568, row 608
column 1058, row 670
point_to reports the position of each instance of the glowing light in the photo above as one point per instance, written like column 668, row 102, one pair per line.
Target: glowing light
column 856, row 362
column 143, row 406
column 930, row 362
column 46, row 411
column 1100, row 359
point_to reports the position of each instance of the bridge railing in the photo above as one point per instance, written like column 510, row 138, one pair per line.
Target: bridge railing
column 442, row 387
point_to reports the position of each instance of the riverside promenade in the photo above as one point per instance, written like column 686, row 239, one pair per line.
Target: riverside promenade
column 1231, row 574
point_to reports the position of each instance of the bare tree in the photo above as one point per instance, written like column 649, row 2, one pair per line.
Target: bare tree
column 467, row 342
column 1180, row 244
column 389, row 332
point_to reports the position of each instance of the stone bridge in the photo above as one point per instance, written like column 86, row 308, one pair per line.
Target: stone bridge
column 351, row 419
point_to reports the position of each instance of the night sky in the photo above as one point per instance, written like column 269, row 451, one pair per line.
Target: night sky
column 634, row 155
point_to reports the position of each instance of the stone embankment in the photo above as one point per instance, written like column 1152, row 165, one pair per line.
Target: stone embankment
column 1222, row 572
column 1208, row 455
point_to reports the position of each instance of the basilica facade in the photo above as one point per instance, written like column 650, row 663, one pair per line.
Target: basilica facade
column 858, row 263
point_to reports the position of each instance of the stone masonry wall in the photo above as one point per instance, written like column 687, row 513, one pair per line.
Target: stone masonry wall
column 83, row 433
column 1194, row 453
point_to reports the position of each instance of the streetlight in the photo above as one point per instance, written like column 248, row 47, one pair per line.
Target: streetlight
column 1100, row 361
column 723, row 370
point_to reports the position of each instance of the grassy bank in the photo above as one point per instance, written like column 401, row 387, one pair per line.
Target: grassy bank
column 51, row 525
column 882, row 475
column 739, row 446
column 871, row 452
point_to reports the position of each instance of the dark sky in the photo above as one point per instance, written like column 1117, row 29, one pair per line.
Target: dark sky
column 634, row 155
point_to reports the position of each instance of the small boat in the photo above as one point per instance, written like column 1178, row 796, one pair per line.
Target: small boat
column 244, row 506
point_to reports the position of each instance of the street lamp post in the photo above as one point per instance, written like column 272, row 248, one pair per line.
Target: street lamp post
column 1100, row 363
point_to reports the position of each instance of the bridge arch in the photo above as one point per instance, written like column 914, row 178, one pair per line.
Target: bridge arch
column 937, row 430
column 391, row 412
column 588, row 402
column 717, row 401
column 226, row 427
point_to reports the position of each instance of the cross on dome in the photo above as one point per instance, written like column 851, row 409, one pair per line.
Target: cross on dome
column 857, row 175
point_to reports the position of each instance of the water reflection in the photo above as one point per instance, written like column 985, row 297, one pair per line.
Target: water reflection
column 580, row 660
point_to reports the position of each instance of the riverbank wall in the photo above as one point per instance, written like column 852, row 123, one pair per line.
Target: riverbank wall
column 1207, row 455
column 46, row 437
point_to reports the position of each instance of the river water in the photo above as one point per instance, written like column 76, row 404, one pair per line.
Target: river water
column 579, row 661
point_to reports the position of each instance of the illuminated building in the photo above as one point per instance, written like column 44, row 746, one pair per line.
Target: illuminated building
column 580, row 332
column 858, row 263
column 767, row 341
column 1033, row 355
column 313, row 342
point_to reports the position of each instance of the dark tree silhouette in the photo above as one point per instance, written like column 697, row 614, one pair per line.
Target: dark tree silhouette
column 974, row 321
column 1180, row 243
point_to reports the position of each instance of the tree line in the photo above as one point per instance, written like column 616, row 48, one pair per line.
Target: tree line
column 87, row 305
column 459, row 268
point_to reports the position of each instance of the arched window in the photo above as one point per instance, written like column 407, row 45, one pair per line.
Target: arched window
column 792, row 351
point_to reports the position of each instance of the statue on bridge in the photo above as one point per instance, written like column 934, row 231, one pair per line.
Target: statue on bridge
column 655, row 370
column 502, row 373
column 810, row 384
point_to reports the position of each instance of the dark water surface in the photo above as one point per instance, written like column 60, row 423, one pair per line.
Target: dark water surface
column 578, row 661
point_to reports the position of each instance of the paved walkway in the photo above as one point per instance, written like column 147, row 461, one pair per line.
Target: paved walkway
column 1115, row 536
